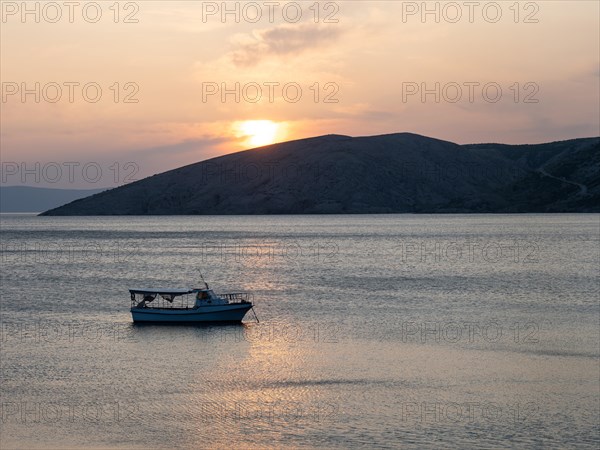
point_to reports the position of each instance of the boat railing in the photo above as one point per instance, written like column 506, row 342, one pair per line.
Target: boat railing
column 238, row 297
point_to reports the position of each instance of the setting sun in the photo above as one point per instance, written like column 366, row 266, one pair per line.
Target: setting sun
column 259, row 132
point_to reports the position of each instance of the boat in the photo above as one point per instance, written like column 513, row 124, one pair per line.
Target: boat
column 174, row 306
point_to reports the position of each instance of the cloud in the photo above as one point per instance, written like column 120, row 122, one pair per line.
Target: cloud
column 153, row 159
column 160, row 158
column 281, row 40
column 183, row 147
column 363, row 111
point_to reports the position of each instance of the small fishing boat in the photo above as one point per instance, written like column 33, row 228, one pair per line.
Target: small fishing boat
column 174, row 305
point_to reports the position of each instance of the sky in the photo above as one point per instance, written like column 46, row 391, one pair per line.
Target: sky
column 97, row 94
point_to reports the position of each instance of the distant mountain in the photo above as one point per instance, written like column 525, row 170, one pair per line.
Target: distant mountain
column 396, row 173
column 34, row 199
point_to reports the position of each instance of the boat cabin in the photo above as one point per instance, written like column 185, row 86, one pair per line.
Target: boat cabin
column 208, row 297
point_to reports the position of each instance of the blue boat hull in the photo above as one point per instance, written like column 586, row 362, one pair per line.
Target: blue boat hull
column 230, row 313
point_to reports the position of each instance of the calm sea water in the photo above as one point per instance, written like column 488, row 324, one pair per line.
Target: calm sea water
column 395, row 331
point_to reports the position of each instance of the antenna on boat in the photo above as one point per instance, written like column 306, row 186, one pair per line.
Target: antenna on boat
column 205, row 283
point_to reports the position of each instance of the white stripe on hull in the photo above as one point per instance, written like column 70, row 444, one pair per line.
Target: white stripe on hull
column 202, row 314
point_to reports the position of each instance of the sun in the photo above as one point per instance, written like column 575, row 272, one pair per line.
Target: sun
column 259, row 132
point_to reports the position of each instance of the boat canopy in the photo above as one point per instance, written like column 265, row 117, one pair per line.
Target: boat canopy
column 170, row 292
column 150, row 294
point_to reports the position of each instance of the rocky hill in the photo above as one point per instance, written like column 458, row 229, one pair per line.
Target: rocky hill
column 396, row 173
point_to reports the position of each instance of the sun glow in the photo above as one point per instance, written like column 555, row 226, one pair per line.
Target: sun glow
column 259, row 132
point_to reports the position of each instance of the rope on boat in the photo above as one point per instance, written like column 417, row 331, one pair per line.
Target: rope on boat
column 255, row 316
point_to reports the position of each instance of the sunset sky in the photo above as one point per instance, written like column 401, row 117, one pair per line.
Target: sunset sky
column 364, row 58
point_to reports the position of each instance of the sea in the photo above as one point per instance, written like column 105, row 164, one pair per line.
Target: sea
column 371, row 331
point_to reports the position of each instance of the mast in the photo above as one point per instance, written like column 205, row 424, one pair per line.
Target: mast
column 205, row 283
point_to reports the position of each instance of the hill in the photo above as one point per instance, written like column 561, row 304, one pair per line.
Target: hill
column 396, row 173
